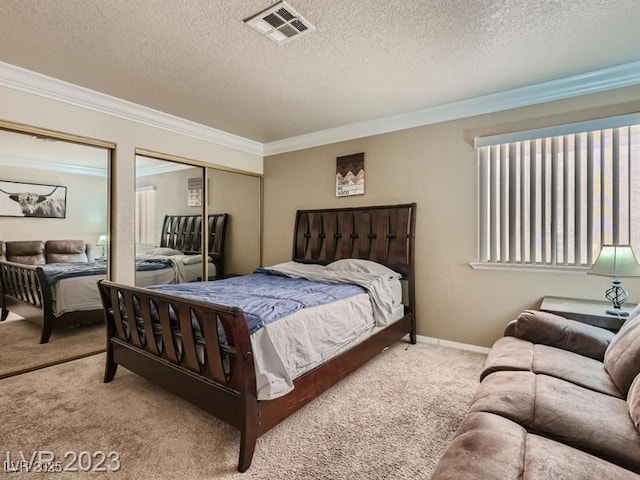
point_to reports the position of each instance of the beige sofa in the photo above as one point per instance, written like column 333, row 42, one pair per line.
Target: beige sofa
column 558, row 399
column 38, row 252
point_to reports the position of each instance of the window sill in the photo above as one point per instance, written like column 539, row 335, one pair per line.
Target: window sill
column 529, row 268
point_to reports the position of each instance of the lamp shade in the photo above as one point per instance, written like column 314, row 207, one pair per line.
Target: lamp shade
column 616, row 261
column 102, row 240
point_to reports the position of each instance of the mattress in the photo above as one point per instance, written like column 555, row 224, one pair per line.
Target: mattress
column 81, row 293
column 290, row 347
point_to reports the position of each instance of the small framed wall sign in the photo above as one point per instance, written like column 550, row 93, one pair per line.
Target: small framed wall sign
column 194, row 192
column 32, row 200
column 350, row 175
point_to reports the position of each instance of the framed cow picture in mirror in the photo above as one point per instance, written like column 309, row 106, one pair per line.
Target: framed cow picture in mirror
column 32, row 200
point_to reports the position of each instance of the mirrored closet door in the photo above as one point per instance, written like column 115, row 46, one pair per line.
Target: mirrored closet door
column 54, row 217
column 172, row 198
column 239, row 196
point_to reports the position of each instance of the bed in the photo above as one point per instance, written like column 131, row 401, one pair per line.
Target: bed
column 204, row 351
column 65, row 295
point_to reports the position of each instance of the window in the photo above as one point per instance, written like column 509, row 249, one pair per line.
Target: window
column 554, row 196
column 145, row 215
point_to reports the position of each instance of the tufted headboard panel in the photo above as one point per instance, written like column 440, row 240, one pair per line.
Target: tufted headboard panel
column 383, row 234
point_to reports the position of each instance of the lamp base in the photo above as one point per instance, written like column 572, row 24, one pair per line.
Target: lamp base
column 617, row 312
column 617, row 296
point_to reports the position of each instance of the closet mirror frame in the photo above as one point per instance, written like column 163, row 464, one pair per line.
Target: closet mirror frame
column 109, row 147
column 155, row 155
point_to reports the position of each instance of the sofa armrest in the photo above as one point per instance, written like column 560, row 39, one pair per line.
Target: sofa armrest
column 556, row 331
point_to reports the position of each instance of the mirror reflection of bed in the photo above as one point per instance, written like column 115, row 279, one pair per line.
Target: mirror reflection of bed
column 168, row 189
column 47, row 158
column 178, row 258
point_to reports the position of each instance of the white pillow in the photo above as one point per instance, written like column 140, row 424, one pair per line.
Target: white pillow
column 167, row 252
column 363, row 266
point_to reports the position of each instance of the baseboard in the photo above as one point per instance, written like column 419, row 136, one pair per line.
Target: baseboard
column 451, row 344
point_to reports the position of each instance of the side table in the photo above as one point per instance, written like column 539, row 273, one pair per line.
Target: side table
column 591, row 312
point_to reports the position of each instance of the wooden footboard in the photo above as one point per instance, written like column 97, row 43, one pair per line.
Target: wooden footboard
column 200, row 351
column 25, row 291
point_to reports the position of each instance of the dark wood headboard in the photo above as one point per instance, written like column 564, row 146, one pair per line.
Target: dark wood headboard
column 184, row 233
column 383, row 234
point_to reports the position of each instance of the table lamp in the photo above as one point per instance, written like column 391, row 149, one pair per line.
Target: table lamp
column 102, row 242
column 616, row 261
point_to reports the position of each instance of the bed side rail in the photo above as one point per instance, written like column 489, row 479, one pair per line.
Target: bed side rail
column 207, row 339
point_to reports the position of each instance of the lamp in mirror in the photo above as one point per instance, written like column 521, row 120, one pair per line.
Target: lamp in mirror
column 102, row 243
column 616, row 261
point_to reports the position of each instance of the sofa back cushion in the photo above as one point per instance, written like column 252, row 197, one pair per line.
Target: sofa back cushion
column 3, row 251
column 622, row 357
column 28, row 252
column 66, row 251
column 634, row 402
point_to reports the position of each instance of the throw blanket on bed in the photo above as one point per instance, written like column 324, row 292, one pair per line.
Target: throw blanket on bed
column 378, row 286
column 58, row 271
column 178, row 262
column 263, row 297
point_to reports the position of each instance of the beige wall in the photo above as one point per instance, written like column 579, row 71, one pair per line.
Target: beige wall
column 86, row 215
column 435, row 166
column 30, row 109
column 171, row 195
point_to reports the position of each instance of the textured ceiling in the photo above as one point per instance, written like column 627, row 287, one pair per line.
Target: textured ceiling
column 367, row 59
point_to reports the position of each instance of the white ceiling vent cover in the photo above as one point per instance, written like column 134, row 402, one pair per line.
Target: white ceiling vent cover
column 280, row 23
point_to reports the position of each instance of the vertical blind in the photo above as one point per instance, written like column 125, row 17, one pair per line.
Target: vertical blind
column 145, row 216
column 555, row 200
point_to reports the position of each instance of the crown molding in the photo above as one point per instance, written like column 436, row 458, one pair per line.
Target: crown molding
column 22, row 162
column 166, row 167
column 595, row 81
column 19, row 162
column 18, row 78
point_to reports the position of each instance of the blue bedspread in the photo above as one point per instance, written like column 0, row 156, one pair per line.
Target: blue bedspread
column 58, row 271
column 263, row 297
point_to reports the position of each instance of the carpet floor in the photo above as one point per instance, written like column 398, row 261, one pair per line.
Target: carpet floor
column 20, row 350
column 392, row 419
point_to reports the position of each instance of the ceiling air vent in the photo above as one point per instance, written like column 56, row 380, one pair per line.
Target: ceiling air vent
column 280, row 23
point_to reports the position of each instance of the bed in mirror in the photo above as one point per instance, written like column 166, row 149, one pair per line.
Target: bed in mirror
column 54, row 210
column 172, row 198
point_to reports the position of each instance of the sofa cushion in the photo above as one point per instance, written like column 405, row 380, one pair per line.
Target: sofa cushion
column 510, row 353
column 593, row 422
column 27, row 252
column 490, row 447
column 66, row 251
column 622, row 357
column 634, row 402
